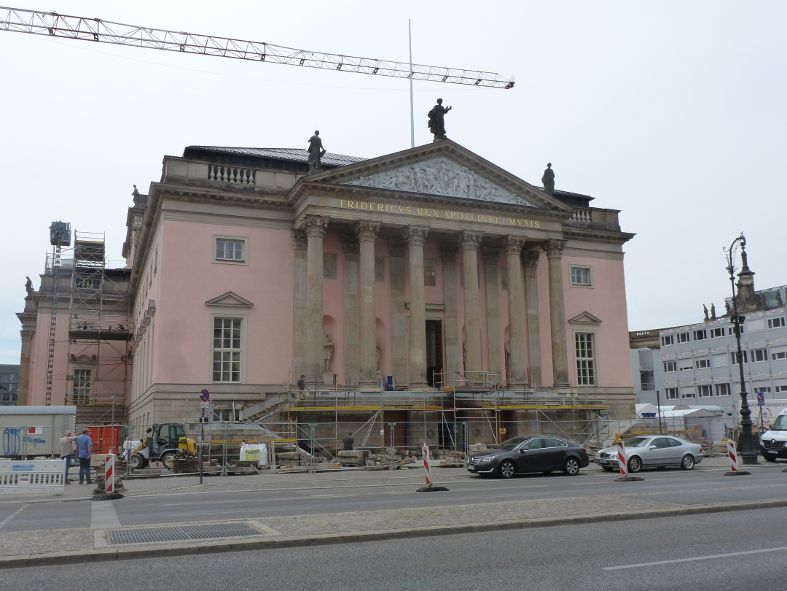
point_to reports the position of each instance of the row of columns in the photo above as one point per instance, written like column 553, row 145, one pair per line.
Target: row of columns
column 361, row 337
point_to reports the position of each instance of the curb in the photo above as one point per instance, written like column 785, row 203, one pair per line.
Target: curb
column 108, row 554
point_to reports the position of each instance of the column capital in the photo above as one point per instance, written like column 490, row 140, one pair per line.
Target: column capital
column 415, row 235
column 514, row 244
column 470, row 239
column 367, row 230
column 553, row 247
column 315, row 225
column 299, row 240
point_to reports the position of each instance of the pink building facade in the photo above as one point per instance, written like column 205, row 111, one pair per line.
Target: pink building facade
column 430, row 270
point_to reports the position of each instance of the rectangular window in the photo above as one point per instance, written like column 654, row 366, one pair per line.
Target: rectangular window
column 700, row 335
column 762, row 389
column 688, row 392
column 329, row 262
column 683, row 337
column 758, row 355
column 734, row 357
column 81, row 386
column 585, row 356
column 782, row 388
column 716, row 333
column 722, row 389
column 226, row 349
column 704, row 391
column 777, row 322
column 671, row 393
column 779, row 355
column 670, row 366
column 580, row 276
column 231, row 249
column 667, row 340
column 702, row 363
column 226, row 414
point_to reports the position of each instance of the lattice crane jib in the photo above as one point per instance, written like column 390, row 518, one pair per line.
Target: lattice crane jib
column 52, row 24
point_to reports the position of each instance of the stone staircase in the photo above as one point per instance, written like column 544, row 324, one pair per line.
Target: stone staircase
column 273, row 403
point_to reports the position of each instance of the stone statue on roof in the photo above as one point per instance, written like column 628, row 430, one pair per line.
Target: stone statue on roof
column 437, row 120
column 713, row 311
column 705, row 310
column 316, row 152
column 28, row 286
column 549, row 180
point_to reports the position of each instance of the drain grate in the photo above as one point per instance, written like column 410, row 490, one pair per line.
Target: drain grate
column 146, row 535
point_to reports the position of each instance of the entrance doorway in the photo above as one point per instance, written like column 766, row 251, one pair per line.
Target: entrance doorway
column 434, row 353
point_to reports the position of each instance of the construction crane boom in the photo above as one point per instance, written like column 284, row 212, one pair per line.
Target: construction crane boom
column 52, row 24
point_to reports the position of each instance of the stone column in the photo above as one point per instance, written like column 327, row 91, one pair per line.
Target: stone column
column 315, row 230
column 557, row 314
column 367, row 233
column 533, row 333
column 516, row 312
column 491, row 257
column 300, row 336
column 352, row 366
column 473, row 359
column 453, row 348
column 27, row 332
column 415, row 236
column 398, row 345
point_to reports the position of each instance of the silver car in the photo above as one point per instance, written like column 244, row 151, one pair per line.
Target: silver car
column 652, row 451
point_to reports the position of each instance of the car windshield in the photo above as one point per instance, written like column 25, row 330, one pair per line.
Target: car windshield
column 780, row 424
column 636, row 441
column 513, row 442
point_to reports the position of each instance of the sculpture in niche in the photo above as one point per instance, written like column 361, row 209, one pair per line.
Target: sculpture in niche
column 327, row 352
column 440, row 176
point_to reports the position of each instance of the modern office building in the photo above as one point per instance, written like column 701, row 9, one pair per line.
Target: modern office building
column 9, row 382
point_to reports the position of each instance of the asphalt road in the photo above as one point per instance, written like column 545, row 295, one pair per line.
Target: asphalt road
column 303, row 494
column 743, row 550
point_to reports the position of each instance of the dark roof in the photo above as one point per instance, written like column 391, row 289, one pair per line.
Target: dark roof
column 295, row 155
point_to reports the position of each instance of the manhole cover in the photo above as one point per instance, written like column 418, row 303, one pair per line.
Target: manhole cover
column 146, row 535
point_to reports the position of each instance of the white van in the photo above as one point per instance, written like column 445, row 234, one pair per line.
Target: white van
column 773, row 443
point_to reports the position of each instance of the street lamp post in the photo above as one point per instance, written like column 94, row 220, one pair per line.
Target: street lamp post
column 748, row 452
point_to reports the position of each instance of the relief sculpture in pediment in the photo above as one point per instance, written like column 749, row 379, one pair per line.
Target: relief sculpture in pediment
column 440, row 176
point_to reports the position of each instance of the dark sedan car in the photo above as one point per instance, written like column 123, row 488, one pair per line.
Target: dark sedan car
column 524, row 454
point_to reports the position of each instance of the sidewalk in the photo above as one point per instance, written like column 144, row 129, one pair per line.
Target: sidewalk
column 254, row 532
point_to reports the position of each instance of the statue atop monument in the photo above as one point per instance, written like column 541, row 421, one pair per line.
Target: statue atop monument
column 316, row 152
column 549, row 180
column 437, row 120
column 29, row 286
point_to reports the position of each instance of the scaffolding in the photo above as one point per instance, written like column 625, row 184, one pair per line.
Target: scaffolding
column 59, row 236
column 98, row 337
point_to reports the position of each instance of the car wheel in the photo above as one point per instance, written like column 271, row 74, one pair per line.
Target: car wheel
column 507, row 469
column 687, row 463
column 571, row 467
column 607, row 468
column 635, row 464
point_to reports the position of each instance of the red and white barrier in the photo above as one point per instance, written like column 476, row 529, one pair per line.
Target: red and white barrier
column 427, row 465
column 624, row 468
column 109, row 474
column 732, row 454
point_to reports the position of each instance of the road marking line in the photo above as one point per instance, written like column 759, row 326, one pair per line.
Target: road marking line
column 14, row 514
column 103, row 515
column 696, row 558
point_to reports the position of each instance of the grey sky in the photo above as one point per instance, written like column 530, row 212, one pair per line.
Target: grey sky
column 671, row 111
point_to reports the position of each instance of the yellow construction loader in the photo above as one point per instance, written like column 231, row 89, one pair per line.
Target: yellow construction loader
column 162, row 443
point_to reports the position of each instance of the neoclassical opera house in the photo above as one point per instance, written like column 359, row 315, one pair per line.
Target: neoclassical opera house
column 422, row 277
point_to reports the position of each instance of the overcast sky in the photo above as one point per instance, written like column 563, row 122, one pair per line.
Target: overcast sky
column 671, row 111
